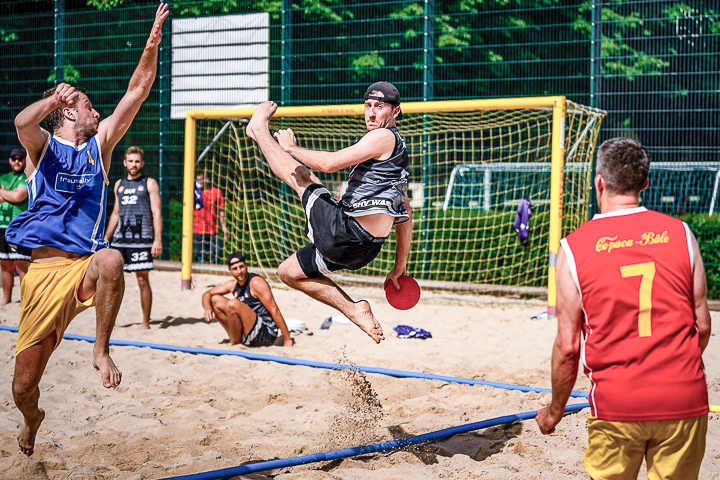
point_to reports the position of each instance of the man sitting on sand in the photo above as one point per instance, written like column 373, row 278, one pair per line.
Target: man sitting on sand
column 251, row 317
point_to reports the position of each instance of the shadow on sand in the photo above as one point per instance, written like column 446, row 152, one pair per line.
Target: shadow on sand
column 166, row 322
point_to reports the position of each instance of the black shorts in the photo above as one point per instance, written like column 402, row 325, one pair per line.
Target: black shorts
column 8, row 252
column 338, row 240
column 136, row 258
column 263, row 334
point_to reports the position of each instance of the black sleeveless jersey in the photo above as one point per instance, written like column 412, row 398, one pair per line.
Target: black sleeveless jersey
column 242, row 293
column 135, row 227
column 379, row 186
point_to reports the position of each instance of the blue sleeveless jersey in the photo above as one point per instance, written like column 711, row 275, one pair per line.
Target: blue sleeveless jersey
column 67, row 194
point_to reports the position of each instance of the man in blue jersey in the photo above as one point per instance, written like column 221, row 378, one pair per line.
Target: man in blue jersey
column 71, row 267
column 347, row 234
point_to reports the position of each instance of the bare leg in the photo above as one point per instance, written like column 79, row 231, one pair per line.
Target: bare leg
column 22, row 268
column 283, row 165
column 7, row 280
column 104, row 279
column 29, row 368
column 329, row 293
column 234, row 316
column 145, row 296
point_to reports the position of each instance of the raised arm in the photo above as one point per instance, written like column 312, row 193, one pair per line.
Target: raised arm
column 566, row 351
column 403, row 240
column 114, row 216
column 702, row 313
column 261, row 290
column 112, row 129
column 378, row 144
column 223, row 289
column 27, row 122
column 156, row 209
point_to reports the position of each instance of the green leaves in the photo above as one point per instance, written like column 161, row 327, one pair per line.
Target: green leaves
column 367, row 65
column 6, row 36
column 70, row 75
column 105, row 4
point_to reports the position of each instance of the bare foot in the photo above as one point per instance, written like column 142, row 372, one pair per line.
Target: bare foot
column 110, row 374
column 364, row 318
column 26, row 436
column 260, row 118
column 145, row 326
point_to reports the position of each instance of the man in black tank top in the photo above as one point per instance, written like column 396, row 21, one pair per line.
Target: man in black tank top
column 251, row 317
column 347, row 234
column 136, row 215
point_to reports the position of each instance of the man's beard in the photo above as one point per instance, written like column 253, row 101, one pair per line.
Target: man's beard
column 87, row 130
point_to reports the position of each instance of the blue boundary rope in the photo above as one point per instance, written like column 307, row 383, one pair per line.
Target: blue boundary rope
column 312, row 363
column 346, row 452
column 351, row 452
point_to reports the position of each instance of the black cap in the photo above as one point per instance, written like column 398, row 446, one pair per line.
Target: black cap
column 234, row 258
column 390, row 94
column 18, row 152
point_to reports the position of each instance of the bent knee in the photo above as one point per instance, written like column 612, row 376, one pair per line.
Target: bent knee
column 217, row 300
column 234, row 305
column 110, row 260
column 285, row 273
column 290, row 271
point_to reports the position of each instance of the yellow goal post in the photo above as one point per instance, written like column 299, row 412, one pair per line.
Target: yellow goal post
column 499, row 134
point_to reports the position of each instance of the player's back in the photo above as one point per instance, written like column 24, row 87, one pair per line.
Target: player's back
column 66, row 200
column 640, row 346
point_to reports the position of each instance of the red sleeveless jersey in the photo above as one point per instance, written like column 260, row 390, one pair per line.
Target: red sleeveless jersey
column 641, row 348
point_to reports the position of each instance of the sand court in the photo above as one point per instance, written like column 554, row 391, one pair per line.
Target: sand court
column 178, row 413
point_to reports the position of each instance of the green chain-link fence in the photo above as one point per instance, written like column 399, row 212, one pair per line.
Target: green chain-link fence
column 654, row 65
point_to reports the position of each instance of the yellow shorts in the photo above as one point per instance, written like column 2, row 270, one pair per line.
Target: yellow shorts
column 49, row 292
column 673, row 449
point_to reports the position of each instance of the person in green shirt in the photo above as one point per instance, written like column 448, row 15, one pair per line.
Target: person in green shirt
column 13, row 200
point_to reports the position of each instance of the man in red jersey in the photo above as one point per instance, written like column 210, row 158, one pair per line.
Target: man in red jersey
column 632, row 290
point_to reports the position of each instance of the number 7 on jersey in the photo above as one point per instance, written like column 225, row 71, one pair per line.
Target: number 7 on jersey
column 647, row 272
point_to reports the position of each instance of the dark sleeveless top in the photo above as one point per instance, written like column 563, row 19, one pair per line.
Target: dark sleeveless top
column 242, row 293
column 135, row 227
column 379, row 186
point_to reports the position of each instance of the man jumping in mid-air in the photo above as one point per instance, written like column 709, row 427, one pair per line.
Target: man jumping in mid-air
column 71, row 267
column 347, row 234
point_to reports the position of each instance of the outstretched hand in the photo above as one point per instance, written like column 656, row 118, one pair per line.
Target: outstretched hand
column 156, row 33
column 286, row 138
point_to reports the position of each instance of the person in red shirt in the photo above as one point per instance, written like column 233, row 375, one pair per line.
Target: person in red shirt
column 208, row 246
column 632, row 303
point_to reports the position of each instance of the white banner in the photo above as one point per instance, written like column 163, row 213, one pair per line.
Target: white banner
column 220, row 62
